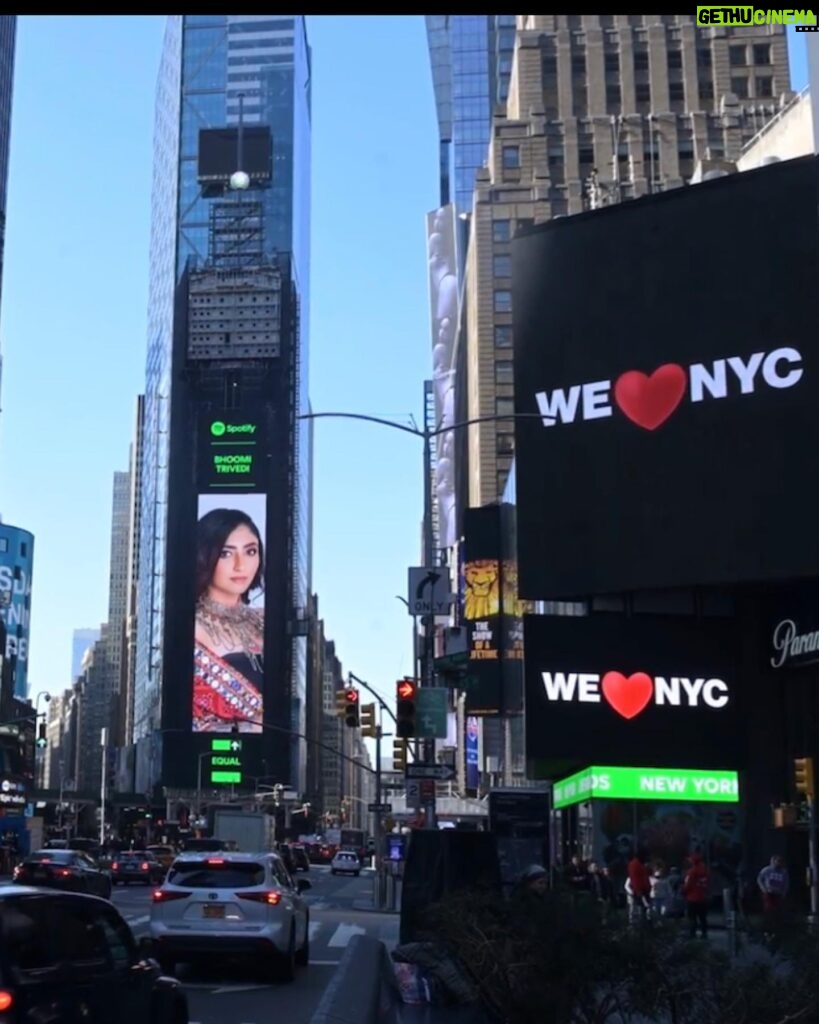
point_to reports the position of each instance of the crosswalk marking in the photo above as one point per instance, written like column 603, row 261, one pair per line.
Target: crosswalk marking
column 139, row 920
column 315, row 928
column 343, row 934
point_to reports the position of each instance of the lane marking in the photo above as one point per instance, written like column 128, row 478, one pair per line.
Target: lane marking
column 315, row 928
column 237, row 988
column 321, row 963
column 343, row 934
column 138, row 920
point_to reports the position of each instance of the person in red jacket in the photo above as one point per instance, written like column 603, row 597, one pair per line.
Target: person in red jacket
column 638, row 889
column 695, row 891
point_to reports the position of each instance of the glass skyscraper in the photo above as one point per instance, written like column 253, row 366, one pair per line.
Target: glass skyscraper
column 471, row 58
column 208, row 62
column 8, row 33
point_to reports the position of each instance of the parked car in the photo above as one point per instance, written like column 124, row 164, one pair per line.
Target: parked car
column 300, row 858
column 232, row 904
column 71, row 870
column 67, row 958
column 137, row 866
column 345, row 862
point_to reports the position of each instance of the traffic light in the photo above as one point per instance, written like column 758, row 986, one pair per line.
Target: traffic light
column 399, row 755
column 803, row 776
column 367, row 715
column 351, row 710
column 405, row 690
column 42, row 740
column 341, row 703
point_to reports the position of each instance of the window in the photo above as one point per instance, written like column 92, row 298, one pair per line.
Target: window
column 762, row 53
column 612, row 62
column 501, row 230
column 578, row 64
column 704, row 58
column 612, row 96
column 504, row 372
column 739, row 87
column 119, row 938
column 675, row 60
column 503, row 300
column 550, row 65
column 4, row 544
column 764, row 86
column 736, row 56
column 641, row 60
column 502, row 266
column 676, row 92
column 642, row 92
column 23, row 549
column 525, row 222
column 503, row 336
column 506, row 444
column 510, row 156
column 216, row 873
column 25, row 928
column 503, row 476
column 504, row 407
column 585, row 155
column 706, row 90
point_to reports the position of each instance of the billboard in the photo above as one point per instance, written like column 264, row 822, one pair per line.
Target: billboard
column 645, row 690
column 661, row 426
column 228, row 659
column 219, row 153
column 482, row 609
column 472, row 753
column 16, row 560
column 646, row 784
column 442, row 256
column 231, row 452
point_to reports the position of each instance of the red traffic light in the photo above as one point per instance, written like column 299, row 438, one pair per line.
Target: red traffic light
column 352, row 696
column 406, row 689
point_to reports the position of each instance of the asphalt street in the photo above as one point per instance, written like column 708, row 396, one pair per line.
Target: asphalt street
column 339, row 909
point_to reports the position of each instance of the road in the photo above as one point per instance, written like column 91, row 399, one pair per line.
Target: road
column 338, row 910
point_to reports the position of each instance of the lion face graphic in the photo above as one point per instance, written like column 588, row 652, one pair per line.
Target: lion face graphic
column 482, row 597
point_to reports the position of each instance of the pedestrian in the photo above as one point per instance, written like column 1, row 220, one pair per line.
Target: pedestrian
column 602, row 887
column 661, row 893
column 695, row 890
column 638, row 889
column 577, row 875
column 534, row 882
column 773, row 882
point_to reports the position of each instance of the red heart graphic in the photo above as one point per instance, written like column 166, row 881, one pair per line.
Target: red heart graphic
column 628, row 695
column 649, row 401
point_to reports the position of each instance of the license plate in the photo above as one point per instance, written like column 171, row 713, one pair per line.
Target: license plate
column 213, row 910
column 40, row 876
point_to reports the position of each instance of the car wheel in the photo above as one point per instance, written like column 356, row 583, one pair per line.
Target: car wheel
column 285, row 966
column 303, row 955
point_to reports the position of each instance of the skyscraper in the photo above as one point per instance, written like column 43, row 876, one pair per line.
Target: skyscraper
column 213, row 67
column 8, row 34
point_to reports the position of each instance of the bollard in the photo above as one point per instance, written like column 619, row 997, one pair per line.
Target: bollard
column 730, row 920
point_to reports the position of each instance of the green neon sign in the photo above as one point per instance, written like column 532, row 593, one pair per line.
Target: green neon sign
column 232, row 777
column 220, row 744
column 647, row 784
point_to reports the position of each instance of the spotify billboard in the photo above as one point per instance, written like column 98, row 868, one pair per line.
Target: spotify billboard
column 230, row 452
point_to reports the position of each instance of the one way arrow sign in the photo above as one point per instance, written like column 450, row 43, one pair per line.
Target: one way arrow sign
column 429, row 591
column 235, row 744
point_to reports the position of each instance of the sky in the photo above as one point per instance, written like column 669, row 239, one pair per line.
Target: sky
column 73, row 321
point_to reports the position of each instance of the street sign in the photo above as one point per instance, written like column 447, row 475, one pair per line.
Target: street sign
column 379, row 808
column 429, row 591
column 438, row 772
column 226, row 745
column 431, row 707
column 413, row 793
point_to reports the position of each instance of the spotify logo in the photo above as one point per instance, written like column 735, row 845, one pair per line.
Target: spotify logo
column 217, row 428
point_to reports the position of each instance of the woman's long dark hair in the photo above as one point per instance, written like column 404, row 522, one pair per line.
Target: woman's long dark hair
column 212, row 532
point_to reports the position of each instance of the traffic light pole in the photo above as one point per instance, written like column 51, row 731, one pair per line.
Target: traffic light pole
column 814, row 880
column 428, row 672
column 379, row 839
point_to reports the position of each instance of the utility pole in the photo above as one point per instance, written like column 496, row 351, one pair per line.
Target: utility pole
column 805, row 781
column 428, row 670
column 379, row 881
column 104, row 782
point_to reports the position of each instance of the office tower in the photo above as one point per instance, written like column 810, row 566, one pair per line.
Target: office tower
column 213, row 248
column 8, row 34
column 81, row 641
column 600, row 109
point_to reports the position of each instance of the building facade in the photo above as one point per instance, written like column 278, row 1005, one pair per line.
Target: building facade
column 213, row 67
column 8, row 36
column 600, row 109
column 81, row 640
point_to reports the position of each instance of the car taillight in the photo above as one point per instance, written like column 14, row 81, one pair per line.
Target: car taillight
column 144, row 865
column 168, row 895
column 6, row 1001
column 17, row 871
column 64, row 872
column 115, row 866
column 272, row 899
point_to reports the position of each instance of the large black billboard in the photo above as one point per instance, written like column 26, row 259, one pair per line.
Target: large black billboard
column 667, row 370
column 643, row 690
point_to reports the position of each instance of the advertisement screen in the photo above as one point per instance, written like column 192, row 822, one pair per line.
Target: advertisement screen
column 219, row 153
column 650, row 690
column 228, row 660
column 647, row 784
column 472, row 750
column 231, row 449
column 662, row 427
column 16, row 559
column 482, row 609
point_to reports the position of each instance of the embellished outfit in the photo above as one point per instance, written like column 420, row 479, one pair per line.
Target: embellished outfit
column 227, row 688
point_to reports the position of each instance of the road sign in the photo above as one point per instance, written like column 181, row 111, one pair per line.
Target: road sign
column 379, row 808
column 219, row 746
column 413, row 792
column 431, row 706
column 438, row 772
column 429, row 591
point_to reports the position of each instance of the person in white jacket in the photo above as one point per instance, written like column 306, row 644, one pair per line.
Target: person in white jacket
column 661, row 892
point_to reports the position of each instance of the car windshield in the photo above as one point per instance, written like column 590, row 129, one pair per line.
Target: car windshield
column 51, row 857
column 347, row 856
column 215, row 874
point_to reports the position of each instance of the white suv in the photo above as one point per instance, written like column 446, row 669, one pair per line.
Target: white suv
column 345, row 861
column 231, row 904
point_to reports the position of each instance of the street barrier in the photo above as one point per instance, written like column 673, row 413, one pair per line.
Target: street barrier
column 363, row 991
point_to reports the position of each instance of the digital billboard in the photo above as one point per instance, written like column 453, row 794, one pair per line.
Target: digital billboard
column 231, row 452
column 228, row 659
column 219, row 153
column 16, row 560
column 482, row 583
column 644, row 689
column 646, row 784
column 666, row 382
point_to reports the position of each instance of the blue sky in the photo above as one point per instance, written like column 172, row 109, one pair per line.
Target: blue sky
column 74, row 301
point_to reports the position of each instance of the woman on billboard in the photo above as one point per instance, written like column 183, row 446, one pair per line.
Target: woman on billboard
column 229, row 640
